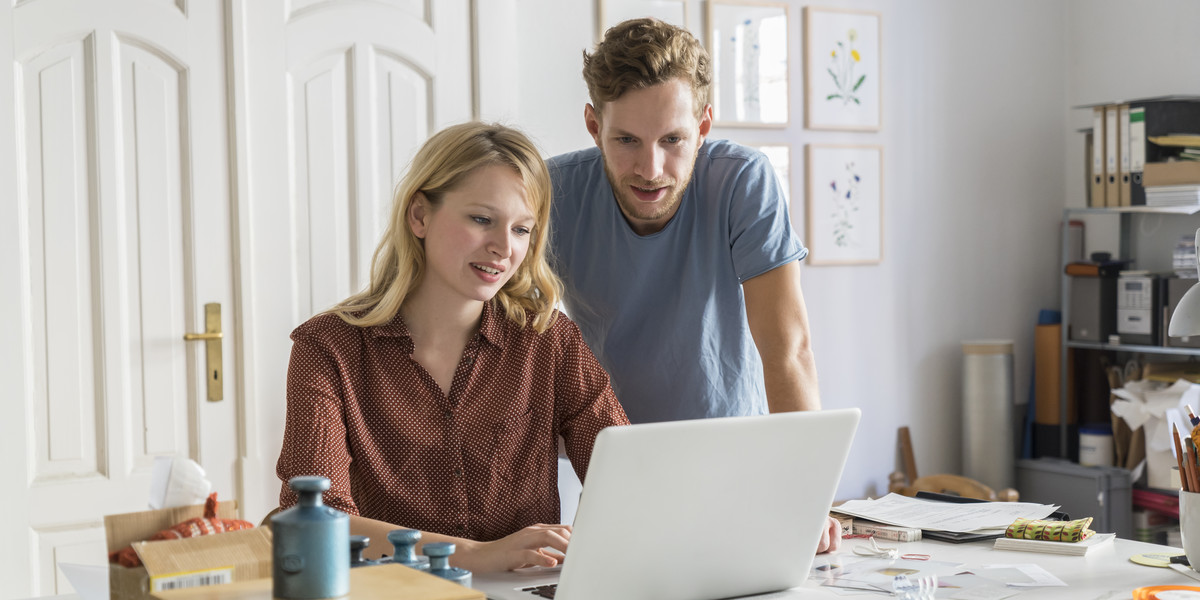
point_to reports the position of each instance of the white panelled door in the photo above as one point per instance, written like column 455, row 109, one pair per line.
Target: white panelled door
column 117, row 212
column 338, row 95
column 158, row 155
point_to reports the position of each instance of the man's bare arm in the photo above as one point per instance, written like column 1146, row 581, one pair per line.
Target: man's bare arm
column 779, row 324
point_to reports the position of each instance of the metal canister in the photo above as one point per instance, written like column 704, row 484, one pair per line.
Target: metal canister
column 404, row 543
column 309, row 545
column 439, row 563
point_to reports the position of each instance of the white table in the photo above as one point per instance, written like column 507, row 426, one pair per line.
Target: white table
column 1105, row 573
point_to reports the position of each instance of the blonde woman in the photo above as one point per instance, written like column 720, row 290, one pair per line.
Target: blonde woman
column 434, row 398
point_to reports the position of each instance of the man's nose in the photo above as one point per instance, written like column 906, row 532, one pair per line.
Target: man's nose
column 650, row 162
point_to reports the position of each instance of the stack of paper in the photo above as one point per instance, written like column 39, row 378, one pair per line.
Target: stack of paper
column 1069, row 548
column 895, row 509
column 1172, row 195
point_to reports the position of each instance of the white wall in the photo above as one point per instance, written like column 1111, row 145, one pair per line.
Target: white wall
column 973, row 98
column 980, row 157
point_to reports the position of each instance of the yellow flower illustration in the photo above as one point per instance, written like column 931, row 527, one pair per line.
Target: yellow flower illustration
column 841, row 70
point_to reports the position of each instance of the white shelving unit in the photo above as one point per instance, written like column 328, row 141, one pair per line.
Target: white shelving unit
column 1126, row 214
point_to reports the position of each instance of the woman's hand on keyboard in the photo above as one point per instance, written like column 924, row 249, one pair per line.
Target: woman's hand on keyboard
column 534, row 546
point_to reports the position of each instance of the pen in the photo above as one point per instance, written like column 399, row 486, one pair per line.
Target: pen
column 1179, row 458
column 1191, row 465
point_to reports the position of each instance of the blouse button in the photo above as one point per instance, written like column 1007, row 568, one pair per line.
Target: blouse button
column 468, row 360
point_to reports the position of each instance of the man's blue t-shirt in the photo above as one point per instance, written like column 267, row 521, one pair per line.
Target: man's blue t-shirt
column 665, row 313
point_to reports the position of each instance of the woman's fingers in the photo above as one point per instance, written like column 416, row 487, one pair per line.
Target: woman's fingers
column 831, row 536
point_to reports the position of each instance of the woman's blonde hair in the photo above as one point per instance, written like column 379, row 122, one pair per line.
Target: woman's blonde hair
column 440, row 166
column 641, row 53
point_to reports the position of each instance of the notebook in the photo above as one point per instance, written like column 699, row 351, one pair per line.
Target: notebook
column 697, row 510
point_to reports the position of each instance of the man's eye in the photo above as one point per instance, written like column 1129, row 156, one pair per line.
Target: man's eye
column 625, row 140
column 674, row 139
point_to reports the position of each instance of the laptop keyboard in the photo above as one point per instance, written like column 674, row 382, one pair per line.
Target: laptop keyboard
column 542, row 591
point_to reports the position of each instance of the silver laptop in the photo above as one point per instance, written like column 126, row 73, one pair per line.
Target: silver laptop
column 697, row 510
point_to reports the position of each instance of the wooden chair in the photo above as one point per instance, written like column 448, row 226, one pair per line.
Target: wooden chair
column 908, row 483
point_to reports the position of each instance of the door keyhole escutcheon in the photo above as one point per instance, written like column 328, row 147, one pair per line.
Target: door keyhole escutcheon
column 211, row 337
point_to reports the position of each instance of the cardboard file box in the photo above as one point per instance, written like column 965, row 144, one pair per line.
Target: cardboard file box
column 1103, row 493
column 209, row 559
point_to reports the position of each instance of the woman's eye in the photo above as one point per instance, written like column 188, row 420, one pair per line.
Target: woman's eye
column 521, row 230
column 482, row 220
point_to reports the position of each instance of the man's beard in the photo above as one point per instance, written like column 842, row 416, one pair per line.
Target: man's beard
column 634, row 209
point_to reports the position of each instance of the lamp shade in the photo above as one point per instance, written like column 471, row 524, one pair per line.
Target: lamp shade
column 1185, row 321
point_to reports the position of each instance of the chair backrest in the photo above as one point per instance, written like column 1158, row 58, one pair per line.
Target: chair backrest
column 907, row 482
column 955, row 485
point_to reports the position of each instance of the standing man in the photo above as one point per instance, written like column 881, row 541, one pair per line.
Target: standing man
column 680, row 263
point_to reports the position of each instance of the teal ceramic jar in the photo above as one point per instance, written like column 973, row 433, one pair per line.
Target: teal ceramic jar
column 309, row 545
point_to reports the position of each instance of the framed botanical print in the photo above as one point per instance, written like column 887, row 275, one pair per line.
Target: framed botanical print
column 842, row 69
column 748, row 43
column 611, row 12
column 844, row 208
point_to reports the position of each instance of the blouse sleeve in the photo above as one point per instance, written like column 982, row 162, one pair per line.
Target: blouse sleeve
column 584, row 400
column 314, row 439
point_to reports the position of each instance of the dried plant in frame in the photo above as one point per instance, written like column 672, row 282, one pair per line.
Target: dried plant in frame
column 842, row 71
column 844, row 208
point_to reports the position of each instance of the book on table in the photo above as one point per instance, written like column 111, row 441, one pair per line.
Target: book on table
column 1068, row 548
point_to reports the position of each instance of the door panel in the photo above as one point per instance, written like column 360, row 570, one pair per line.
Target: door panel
column 127, row 221
column 363, row 85
column 323, row 195
column 151, row 197
column 122, row 166
column 59, row 205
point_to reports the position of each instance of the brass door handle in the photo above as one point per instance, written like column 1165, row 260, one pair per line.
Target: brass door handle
column 212, row 348
column 191, row 337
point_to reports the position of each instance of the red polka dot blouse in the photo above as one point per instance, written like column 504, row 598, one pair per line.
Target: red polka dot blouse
column 480, row 463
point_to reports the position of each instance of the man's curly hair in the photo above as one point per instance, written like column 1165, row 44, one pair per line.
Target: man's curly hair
column 641, row 53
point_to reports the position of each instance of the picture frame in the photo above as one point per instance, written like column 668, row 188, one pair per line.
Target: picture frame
column 611, row 12
column 749, row 44
column 844, row 208
column 842, row 71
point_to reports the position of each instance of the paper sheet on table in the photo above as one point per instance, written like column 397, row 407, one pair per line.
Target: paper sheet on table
column 848, row 573
column 895, row 509
column 969, row 586
column 1038, row 576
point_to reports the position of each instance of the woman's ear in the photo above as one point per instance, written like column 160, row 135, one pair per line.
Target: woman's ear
column 418, row 212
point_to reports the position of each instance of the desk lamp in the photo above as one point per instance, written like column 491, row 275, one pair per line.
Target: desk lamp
column 1185, row 321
